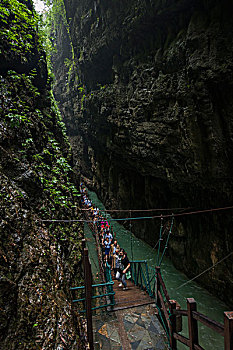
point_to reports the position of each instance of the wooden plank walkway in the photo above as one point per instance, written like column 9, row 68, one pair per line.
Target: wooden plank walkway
column 132, row 297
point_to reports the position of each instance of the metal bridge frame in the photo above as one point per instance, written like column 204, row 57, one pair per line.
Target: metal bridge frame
column 169, row 311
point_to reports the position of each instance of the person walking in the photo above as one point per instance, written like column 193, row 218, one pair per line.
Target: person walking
column 123, row 267
column 107, row 245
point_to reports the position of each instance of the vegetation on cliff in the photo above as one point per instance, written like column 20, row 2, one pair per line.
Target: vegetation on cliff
column 39, row 260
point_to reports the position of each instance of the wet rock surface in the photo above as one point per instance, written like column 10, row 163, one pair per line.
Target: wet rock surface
column 39, row 261
column 137, row 328
column 153, row 126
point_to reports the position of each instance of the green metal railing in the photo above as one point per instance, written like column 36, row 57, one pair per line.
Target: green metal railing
column 109, row 284
column 107, row 294
column 144, row 276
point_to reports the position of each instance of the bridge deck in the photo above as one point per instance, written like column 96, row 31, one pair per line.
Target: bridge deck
column 131, row 297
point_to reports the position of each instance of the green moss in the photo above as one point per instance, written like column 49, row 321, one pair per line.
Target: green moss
column 18, row 28
column 36, row 182
column 31, row 117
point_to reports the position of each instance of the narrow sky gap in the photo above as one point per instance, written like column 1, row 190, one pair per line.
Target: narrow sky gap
column 39, row 5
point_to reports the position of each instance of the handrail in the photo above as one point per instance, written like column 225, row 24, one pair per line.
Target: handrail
column 142, row 278
column 105, row 270
column 98, row 307
column 181, row 312
column 99, row 255
column 163, row 286
column 93, row 297
column 181, row 338
column 93, row 285
column 216, row 326
column 171, row 318
column 109, row 293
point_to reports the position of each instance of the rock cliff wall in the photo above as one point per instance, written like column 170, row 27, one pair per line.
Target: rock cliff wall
column 151, row 117
column 39, row 261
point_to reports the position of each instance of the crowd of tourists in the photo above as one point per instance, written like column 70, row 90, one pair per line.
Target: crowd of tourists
column 113, row 254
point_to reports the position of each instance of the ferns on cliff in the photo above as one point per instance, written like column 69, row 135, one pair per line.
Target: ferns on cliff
column 18, row 28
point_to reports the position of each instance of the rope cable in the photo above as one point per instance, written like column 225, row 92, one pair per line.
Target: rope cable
column 182, row 285
column 144, row 217
column 168, row 236
column 138, row 210
column 167, row 329
column 160, row 237
column 131, row 236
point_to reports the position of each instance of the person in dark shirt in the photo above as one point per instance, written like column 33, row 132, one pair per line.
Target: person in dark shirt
column 124, row 267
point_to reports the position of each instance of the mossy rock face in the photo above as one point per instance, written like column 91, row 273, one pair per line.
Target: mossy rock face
column 21, row 45
column 39, row 261
column 154, row 128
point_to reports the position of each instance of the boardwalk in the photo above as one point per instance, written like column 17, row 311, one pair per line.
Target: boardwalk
column 132, row 297
column 133, row 323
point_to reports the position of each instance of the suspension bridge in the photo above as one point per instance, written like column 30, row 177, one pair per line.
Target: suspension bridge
column 146, row 291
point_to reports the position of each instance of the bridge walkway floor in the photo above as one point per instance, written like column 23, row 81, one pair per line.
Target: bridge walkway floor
column 132, row 297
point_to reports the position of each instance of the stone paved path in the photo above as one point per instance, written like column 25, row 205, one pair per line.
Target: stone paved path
column 135, row 328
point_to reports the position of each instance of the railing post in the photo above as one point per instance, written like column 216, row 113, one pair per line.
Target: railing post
column 137, row 273
column 110, row 286
column 132, row 270
column 173, row 324
column 88, row 295
column 83, row 246
column 228, row 330
column 154, row 286
column 157, row 269
column 140, row 274
column 178, row 319
column 83, row 243
column 148, row 280
column 192, row 324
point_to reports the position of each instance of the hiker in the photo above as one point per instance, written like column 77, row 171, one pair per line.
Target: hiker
column 116, row 263
column 123, row 268
column 109, row 236
column 114, row 246
column 105, row 260
column 107, row 245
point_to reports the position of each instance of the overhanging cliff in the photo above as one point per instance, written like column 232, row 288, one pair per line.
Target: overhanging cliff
column 150, row 117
